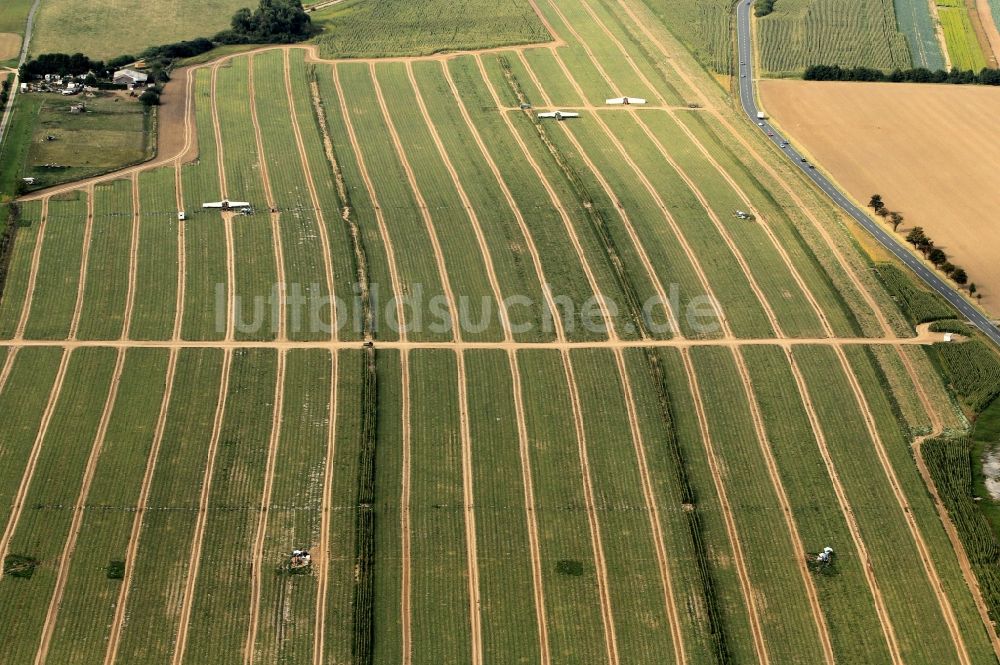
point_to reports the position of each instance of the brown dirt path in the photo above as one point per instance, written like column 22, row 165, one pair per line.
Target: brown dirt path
column 36, row 257
column 8, row 365
column 652, row 508
column 975, row 10
column 524, row 451
column 372, row 195
column 888, row 631
column 468, row 499
column 189, row 138
column 88, row 232
column 989, row 31
column 534, row 79
column 947, row 613
column 133, row 259
column 117, row 623
column 17, row 505
column 66, row 557
column 257, row 562
column 322, row 553
column 968, row 574
column 746, row 587
column 786, row 507
column 442, row 269
column 227, row 217
column 470, row 211
column 279, row 254
column 187, row 601
column 320, row 219
column 557, row 204
column 406, row 636
column 601, row 568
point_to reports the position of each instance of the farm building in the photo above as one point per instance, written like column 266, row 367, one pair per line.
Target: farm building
column 129, row 77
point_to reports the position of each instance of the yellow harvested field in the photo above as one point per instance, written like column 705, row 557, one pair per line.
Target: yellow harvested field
column 10, row 45
column 929, row 150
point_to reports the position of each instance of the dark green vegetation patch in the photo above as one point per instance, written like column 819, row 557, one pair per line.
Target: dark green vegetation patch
column 19, row 565
column 570, row 567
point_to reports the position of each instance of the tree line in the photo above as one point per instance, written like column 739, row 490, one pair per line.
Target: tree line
column 985, row 76
column 763, row 7
column 921, row 241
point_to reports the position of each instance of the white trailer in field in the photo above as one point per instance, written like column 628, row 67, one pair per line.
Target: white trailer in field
column 559, row 115
column 226, row 204
column 626, row 101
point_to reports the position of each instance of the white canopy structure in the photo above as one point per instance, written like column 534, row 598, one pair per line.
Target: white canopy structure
column 559, row 115
column 625, row 100
column 226, row 205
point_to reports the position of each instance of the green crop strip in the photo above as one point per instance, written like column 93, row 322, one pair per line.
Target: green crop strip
column 363, row 606
column 688, row 496
column 7, row 238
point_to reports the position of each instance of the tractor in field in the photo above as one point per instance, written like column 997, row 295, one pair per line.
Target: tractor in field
column 822, row 561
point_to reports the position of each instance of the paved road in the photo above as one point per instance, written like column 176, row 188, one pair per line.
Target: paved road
column 886, row 239
column 16, row 84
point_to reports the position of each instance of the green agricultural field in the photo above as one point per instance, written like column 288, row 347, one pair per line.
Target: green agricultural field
column 916, row 22
column 111, row 133
column 800, row 33
column 357, row 29
column 569, row 478
column 959, row 36
column 102, row 30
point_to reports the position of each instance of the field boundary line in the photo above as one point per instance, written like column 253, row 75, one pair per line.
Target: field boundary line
column 746, row 587
column 652, row 508
column 323, row 555
column 199, row 533
column 723, row 232
column 36, row 258
column 320, row 219
column 133, row 260
column 739, row 191
column 227, row 218
column 794, row 537
column 557, row 204
column 406, row 637
column 511, row 203
column 888, row 630
column 904, row 506
column 88, row 231
column 117, row 623
column 69, row 547
column 956, row 542
column 524, row 452
column 849, row 269
column 8, row 365
column 604, row 593
column 472, row 563
column 279, row 254
column 370, row 188
column 470, row 211
column 257, row 563
column 179, row 197
column 421, row 204
column 29, row 472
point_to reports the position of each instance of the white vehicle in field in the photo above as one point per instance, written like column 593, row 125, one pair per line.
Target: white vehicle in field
column 226, row 204
column 559, row 115
column 626, row 101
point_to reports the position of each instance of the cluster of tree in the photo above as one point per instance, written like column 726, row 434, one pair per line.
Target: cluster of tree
column 922, row 242
column 763, row 7
column 4, row 93
column 914, row 75
column 62, row 64
column 273, row 22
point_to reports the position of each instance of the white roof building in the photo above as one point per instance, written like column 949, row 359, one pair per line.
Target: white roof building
column 129, row 77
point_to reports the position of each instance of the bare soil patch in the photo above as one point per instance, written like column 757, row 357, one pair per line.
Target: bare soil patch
column 929, row 150
column 10, row 45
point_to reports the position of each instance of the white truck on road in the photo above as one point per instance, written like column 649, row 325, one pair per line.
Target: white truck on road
column 760, row 115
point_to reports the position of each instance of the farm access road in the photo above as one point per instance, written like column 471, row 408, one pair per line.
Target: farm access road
column 744, row 45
